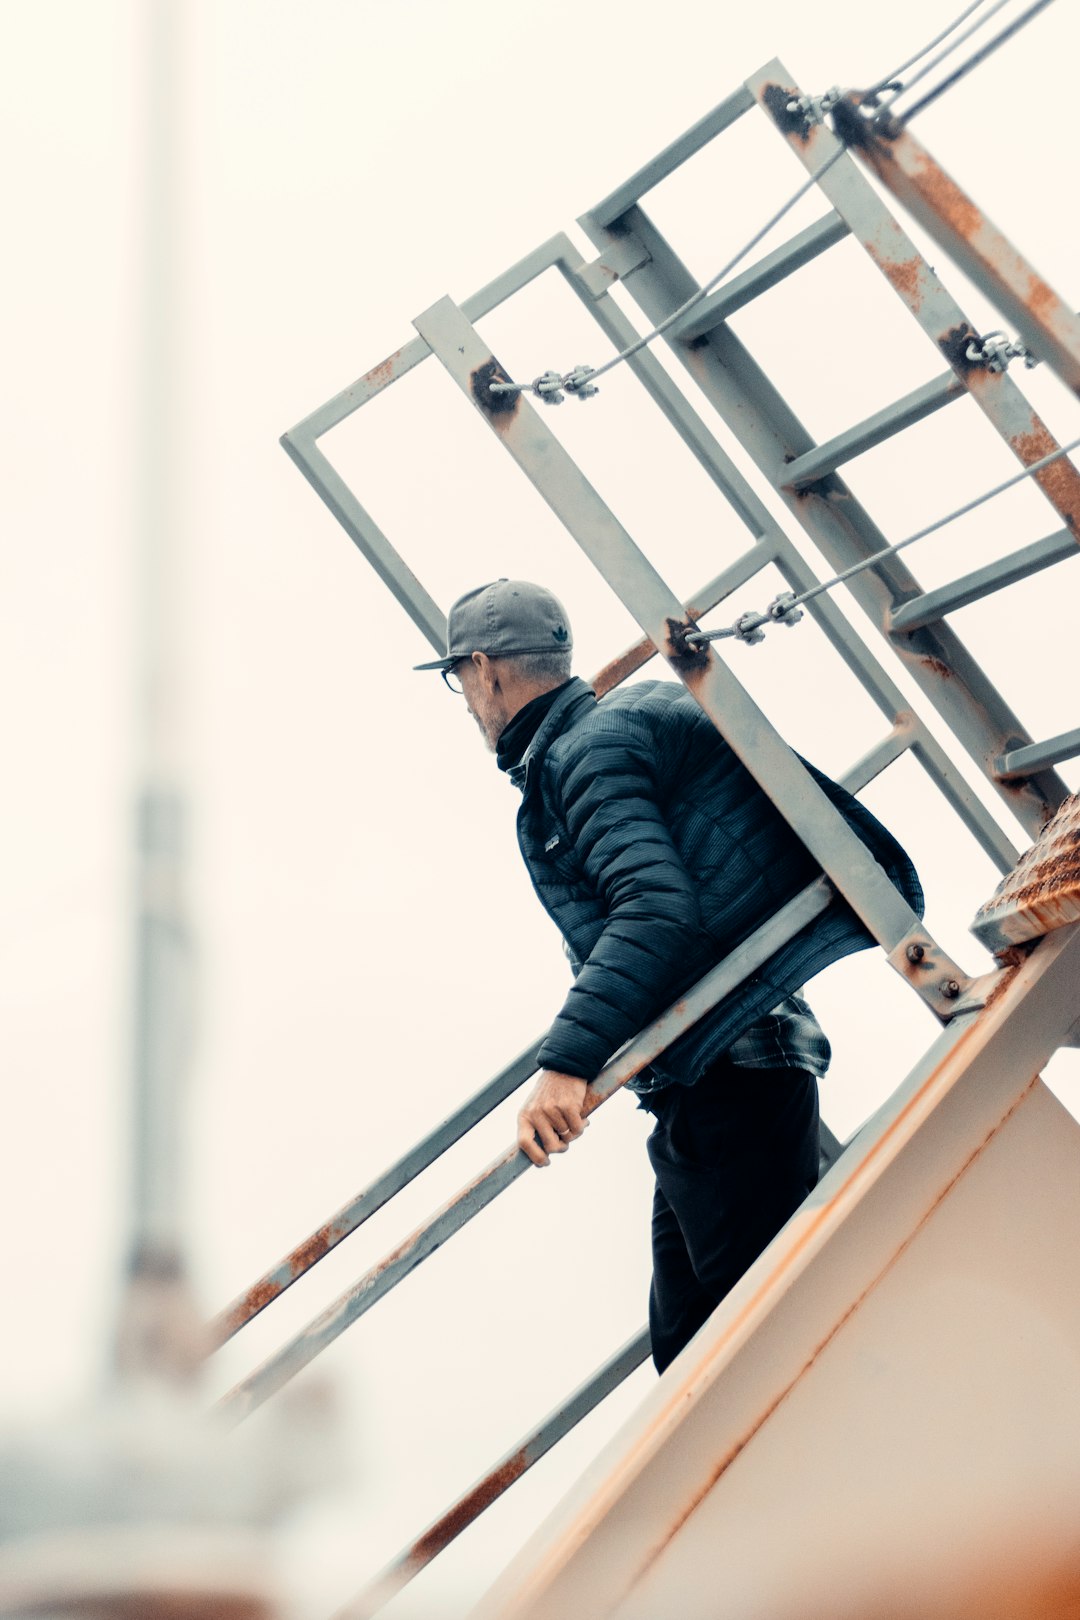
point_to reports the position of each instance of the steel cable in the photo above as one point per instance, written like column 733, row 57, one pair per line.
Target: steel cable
column 928, row 67
column 973, row 60
column 581, row 380
column 749, row 626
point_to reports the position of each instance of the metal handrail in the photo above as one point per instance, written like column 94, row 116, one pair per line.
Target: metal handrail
column 352, row 1215
column 719, row 982
column 490, row 1486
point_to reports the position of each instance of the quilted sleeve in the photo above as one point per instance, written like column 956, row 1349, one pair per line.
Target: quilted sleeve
column 609, row 799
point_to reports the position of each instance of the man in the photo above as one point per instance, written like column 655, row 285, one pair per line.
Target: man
column 656, row 853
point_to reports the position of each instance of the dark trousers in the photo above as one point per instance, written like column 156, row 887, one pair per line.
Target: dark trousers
column 734, row 1157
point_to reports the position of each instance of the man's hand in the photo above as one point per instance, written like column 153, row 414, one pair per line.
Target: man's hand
column 552, row 1117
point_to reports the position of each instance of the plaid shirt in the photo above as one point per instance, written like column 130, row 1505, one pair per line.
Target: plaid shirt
column 789, row 1037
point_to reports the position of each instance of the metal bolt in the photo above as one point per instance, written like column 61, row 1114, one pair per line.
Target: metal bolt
column 950, row 989
column 915, row 953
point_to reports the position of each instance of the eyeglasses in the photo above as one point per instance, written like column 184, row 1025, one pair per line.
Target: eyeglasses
column 451, row 679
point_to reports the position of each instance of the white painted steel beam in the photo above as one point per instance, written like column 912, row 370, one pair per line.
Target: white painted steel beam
column 904, row 1356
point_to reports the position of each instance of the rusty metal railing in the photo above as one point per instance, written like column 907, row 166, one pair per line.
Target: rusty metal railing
column 274, row 1373
column 277, row 1370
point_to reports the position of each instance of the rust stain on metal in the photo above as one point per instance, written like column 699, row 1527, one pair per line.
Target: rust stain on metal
column 937, row 666
column 258, row 1297
column 688, row 659
column 946, row 198
column 776, row 101
column 612, row 674
column 1010, row 960
column 1060, row 481
column 383, row 373
column 500, row 409
column 905, row 275
column 468, row 1508
column 1042, row 892
column 954, row 346
column 1043, row 301
column 313, row 1249
column 617, row 671
column 870, row 134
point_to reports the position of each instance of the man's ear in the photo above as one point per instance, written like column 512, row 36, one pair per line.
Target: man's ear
column 487, row 671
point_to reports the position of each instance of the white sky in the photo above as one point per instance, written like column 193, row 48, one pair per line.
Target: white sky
column 369, row 950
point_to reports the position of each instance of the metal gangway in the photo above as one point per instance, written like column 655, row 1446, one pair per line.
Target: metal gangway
column 884, row 1281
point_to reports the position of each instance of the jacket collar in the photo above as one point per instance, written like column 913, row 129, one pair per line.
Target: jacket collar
column 567, row 708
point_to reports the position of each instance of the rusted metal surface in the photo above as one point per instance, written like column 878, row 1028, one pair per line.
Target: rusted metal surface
column 468, row 1507
column 1048, row 325
column 1043, row 893
column 921, row 289
column 278, row 1369
column 353, row 1214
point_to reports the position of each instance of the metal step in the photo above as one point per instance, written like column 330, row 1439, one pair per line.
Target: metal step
column 1037, row 756
column 933, row 605
column 768, row 272
column 884, row 424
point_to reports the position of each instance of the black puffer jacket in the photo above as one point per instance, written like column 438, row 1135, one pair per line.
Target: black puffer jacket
column 656, row 853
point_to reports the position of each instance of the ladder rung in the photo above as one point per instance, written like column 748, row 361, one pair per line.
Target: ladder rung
column 1037, row 756
column 880, row 757
column 902, row 413
column 666, row 162
column 934, row 605
column 773, row 268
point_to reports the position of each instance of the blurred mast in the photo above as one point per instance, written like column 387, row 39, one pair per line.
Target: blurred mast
column 159, row 1333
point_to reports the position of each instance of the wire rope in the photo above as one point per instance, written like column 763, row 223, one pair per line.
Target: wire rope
column 581, row 380
column 974, row 60
column 748, row 625
column 928, row 67
column 883, row 84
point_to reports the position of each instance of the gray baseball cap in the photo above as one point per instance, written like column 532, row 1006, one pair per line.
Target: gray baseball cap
column 507, row 617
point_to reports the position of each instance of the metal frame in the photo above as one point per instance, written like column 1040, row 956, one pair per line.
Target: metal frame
column 804, row 475
column 590, row 283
